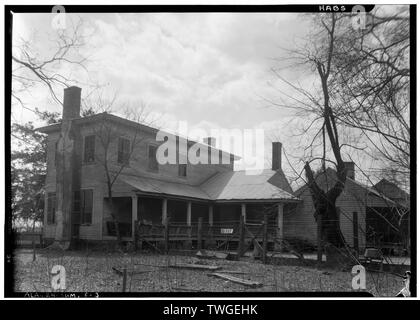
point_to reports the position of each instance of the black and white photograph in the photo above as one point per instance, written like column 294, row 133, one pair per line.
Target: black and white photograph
column 210, row 151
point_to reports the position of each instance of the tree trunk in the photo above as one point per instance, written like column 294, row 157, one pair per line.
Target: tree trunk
column 114, row 216
column 325, row 209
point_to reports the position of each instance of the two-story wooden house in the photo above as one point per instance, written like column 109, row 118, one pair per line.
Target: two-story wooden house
column 84, row 152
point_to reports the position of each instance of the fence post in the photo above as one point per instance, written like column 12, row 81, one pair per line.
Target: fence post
column 356, row 233
column 167, row 235
column 265, row 230
column 200, row 233
column 124, row 284
column 319, row 238
column 241, row 242
column 33, row 249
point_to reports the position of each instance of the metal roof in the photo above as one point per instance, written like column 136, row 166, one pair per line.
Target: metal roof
column 223, row 186
column 155, row 186
column 248, row 185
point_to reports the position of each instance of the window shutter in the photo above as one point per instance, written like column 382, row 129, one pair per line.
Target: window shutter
column 153, row 164
column 87, row 205
column 123, row 150
column 77, row 207
column 89, row 149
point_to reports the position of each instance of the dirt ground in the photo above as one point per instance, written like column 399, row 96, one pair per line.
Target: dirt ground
column 92, row 271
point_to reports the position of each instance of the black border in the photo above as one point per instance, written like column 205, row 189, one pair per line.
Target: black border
column 8, row 236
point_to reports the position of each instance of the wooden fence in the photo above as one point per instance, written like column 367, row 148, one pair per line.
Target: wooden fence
column 28, row 239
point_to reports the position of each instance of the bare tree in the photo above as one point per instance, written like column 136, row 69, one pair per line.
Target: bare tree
column 362, row 101
column 372, row 86
column 113, row 157
column 31, row 68
column 325, row 145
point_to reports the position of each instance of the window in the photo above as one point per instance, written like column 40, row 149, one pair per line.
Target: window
column 51, row 206
column 123, row 150
column 182, row 170
column 89, row 149
column 153, row 164
column 85, row 198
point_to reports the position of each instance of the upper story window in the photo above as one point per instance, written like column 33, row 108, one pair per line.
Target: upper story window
column 182, row 170
column 153, row 164
column 51, row 206
column 89, row 155
column 123, row 150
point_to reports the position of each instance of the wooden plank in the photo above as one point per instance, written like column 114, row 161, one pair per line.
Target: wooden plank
column 206, row 254
column 233, row 271
column 195, row 266
column 244, row 282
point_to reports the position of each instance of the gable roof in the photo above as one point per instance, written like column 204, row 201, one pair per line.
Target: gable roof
column 328, row 178
column 392, row 191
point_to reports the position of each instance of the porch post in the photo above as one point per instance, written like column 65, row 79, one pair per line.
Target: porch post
column 134, row 215
column 211, row 215
column 189, row 213
column 188, row 243
column 243, row 211
column 164, row 210
column 280, row 229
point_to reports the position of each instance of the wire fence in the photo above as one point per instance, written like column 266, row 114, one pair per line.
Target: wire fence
column 110, row 269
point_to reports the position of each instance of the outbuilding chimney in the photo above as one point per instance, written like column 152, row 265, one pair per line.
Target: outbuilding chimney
column 71, row 103
column 350, row 169
column 276, row 153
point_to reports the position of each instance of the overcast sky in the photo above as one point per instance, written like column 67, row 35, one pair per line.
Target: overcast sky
column 211, row 70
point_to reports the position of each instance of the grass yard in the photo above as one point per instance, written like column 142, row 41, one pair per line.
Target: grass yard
column 92, row 271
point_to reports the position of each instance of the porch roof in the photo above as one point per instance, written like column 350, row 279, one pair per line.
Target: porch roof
column 231, row 186
column 155, row 186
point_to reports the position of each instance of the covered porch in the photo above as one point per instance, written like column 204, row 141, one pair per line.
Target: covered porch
column 211, row 223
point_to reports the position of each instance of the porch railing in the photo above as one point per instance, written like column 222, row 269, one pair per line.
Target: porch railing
column 223, row 231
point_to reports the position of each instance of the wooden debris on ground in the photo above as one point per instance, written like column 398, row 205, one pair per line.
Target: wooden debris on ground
column 194, row 266
column 249, row 283
column 233, row 271
column 132, row 272
column 207, row 254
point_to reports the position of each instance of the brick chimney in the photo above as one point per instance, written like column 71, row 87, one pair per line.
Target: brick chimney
column 276, row 154
column 211, row 141
column 71, row 103
column 350, row 169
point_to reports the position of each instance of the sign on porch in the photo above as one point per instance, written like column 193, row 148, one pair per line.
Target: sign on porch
column 226, row 230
